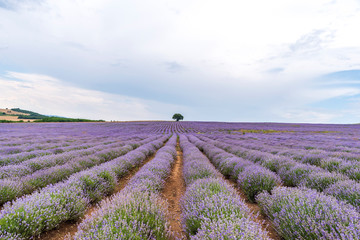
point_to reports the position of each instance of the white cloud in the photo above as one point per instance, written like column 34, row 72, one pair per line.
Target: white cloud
column 257, row 56
column 47, row 95
column 309, row 116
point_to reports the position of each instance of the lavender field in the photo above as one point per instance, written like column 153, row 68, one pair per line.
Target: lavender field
column 179, row 180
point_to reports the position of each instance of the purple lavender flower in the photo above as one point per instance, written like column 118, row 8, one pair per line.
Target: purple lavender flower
column 210, row 199
column 321, row 180
column 348, row 191
column 10, row 189
column 307, row 214
column 230, row 228
column 255, row 179
column 128, row 215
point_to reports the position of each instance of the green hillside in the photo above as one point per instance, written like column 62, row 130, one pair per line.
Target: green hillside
column 17, row 116
column 32, row 115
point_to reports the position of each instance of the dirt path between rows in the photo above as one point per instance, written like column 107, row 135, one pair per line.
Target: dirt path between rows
column 260, row 218
column 68, row 229
column 173, row 190
column 265, row 222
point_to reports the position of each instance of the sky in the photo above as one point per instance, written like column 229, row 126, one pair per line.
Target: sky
column 229, row 60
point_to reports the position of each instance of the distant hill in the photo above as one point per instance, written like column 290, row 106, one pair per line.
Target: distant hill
column 29, row 114
column 21, row 115
column 10, row 115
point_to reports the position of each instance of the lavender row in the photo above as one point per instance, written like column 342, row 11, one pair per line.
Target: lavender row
column 175, row 127
column 252, row 178
column 301, row 213
column 29, row 166
column 296, row 174
column 305, row 175
column 11, row 149
column 22, row 156
column 44, row 210
column 297, row 142
column 304, row 213
column 35, row 164
column 11, row 189
column 138, row 211
column 211, row 208
column 47, row 144
column 325, row 137
column 333, row 162
column 292, row 173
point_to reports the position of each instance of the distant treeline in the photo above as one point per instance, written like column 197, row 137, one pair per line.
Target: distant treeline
column 8, row 121
column 61, row 119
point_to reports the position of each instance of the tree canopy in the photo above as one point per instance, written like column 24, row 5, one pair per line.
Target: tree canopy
column 178, row 116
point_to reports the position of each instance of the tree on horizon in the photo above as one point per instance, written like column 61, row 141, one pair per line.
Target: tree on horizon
column 177, row 117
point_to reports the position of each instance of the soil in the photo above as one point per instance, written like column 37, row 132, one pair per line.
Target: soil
column 173, row 190
column 68, row 229
column 260, row 218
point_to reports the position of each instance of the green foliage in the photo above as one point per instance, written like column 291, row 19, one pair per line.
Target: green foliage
column 96, row 185
column 255, row 180
column 178, row 116
column 9, row 193
column 8, row 121
column 61, row 119
column 32, row 115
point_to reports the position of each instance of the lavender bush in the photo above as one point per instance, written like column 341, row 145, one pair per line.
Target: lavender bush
column 350, row 169
column 331, row 164
column 10, row 236
column 292, row 175
column 10, row 189
column 95, row 183
column 348, row 191
column 255, row 179
column 131, row 215
column 238, row 168
column 307, row 214
column 321, row 180
column 41, row 211
column 230, row 228
column 210, row 199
